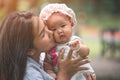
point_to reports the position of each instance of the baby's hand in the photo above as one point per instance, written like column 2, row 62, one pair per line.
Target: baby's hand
column 75, row 45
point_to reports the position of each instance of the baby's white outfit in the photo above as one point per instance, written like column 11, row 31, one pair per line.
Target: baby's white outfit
column 79, row 75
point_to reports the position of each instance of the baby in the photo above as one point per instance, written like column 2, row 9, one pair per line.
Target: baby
column 61, row 20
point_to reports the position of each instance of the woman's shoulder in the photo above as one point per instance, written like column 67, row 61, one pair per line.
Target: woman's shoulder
column 34, row 71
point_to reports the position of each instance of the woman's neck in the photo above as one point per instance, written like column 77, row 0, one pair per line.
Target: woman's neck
column 36, row 56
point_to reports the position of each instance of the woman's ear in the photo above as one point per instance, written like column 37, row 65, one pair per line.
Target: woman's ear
column 30, row 52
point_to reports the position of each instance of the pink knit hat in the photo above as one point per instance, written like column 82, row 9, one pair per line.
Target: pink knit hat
column 49, row 9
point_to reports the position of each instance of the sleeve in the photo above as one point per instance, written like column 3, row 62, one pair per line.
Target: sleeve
column 33, row 74
column 75, row 37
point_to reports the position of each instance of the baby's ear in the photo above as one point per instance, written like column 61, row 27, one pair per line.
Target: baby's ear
column 45, row 22
column 72, row 24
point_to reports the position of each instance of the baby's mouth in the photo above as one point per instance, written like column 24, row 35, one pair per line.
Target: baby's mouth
column 62, row 37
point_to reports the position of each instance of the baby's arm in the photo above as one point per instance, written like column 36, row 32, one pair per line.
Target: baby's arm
column 79, row 47
column 83, row 51
column 48, row 67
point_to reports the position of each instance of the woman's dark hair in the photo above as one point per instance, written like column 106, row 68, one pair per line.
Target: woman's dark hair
column 16, row 38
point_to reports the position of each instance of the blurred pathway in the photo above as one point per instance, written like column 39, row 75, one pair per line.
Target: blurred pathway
column 106, row 68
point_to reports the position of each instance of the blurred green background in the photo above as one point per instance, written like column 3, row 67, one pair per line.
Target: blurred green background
column 98, row 26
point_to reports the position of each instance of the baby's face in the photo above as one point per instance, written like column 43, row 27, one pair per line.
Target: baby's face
column 61, row 26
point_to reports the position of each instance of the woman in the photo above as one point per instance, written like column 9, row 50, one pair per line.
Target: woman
column 22, row 39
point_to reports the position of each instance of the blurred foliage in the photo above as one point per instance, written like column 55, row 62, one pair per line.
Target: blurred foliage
column 103, row 21
column 97, row 13
column 91, row 13
column 103, row 13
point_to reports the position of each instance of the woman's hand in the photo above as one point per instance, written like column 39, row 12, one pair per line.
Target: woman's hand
column 90, row 76
column 69, row 66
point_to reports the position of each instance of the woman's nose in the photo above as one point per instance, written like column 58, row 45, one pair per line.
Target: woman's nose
column 49, row 31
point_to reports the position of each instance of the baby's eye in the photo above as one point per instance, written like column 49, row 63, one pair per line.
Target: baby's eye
column 62, row 26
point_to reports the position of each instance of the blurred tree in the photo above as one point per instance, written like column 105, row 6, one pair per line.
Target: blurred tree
column 117, row 5
column 33, row 3
column 106, row 6
column 65, row 1
column 34, row 6
column 7, row 6
column 96, row 6
column 1, row 3
column 10, row 6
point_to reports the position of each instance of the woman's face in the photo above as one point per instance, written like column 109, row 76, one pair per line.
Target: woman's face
column 43, row 40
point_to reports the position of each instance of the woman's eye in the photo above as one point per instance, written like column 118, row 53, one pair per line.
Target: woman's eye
column 43, row 35
column 53, row 29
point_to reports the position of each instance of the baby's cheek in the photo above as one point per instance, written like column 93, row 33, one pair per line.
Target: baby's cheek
column 55, row 35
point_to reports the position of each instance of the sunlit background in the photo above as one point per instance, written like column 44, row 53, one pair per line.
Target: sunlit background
column 98, row 26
